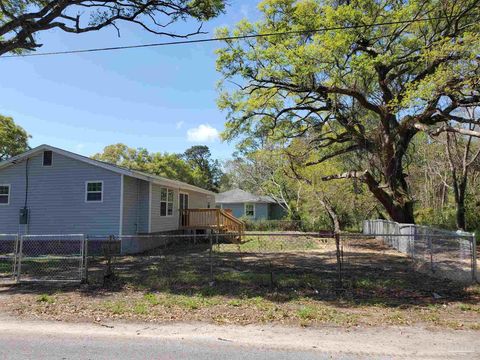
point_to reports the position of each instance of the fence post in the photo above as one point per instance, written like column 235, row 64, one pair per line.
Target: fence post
column 15, row 256
column 474, row 258
column 20, row 252
column 430, row 245
column 85, row 256
column 211, row 260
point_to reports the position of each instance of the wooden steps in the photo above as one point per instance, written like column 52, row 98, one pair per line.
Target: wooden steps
column 215, row 219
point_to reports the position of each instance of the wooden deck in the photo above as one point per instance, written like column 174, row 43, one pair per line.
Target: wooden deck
column 216, row 219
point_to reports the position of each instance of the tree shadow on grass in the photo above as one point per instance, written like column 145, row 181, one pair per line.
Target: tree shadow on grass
column 371, row 277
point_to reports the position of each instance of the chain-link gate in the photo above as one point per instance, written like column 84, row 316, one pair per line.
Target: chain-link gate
column 51, row 258
column 8, row 257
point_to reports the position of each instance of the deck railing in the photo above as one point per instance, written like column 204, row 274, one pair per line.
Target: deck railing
column 217, row 219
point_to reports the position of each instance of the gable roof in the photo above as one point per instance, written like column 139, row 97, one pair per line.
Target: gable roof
column 241, row 196
column 111, row 167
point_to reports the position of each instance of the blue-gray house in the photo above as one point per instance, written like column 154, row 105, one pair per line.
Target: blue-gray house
column 52, row 191
column 247, row 205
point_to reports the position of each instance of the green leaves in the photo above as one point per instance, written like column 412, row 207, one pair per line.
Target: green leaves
column 195, row 166
column 13, row 138
column 364, row 84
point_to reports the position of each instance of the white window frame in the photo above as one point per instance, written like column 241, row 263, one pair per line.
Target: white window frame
column 167, row 202
column 43, row 159
column 9, row 193
column 86, row 191
column 245, row 210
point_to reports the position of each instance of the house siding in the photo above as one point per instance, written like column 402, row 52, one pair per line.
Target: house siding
column 196, row 200
column 143, row 206
column 135, row 206
column 276, row 212
column 200, row 201
column 261, row 211
column 56, row 198
column 163, row 223
column 238, row 210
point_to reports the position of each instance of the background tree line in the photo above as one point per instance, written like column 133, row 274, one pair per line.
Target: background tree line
column 195, row 166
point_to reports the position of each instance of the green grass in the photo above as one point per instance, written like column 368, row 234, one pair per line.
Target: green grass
column 307, row 313
column 468, row 307
column 140, row 309
column 151, row 299
column 116, row 307
column 45, row 298
column 267, row 243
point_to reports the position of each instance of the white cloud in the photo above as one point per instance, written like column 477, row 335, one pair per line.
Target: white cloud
column 203, row 133
column 179, row 124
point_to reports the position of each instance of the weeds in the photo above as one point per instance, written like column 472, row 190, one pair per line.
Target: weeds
column 45, row 298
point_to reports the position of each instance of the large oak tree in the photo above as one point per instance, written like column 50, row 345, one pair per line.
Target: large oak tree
column 362, row 91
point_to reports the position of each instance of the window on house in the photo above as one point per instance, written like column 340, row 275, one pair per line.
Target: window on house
column 166, row 202
column 250, row 210
column 4, row 194
column 47, row 158
column 94, row 191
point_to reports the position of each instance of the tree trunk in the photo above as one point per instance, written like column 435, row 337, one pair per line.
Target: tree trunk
column 459, row 191
column 399, row 207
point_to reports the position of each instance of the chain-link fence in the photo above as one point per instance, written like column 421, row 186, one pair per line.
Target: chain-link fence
column 443, row 253
column 8, row 251
column 51, row 257
column 268, row 258
column 262, row 259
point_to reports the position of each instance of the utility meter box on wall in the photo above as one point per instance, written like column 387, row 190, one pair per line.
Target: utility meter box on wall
column 23, row 216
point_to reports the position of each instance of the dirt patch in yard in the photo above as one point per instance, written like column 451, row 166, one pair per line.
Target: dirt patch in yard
column 290, row 281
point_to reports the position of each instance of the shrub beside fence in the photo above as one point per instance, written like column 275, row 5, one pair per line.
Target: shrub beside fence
column 443, row 253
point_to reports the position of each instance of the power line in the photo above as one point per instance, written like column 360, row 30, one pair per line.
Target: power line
column 227, row 38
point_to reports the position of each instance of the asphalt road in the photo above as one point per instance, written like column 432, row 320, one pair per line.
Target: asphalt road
column 86, row 347
column 26, row 339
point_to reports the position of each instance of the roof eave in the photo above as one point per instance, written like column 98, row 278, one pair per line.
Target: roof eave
column 150, row 178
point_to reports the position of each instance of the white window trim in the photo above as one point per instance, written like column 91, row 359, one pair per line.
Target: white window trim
column 43, row 159
column 245, row 210
column 86, row 191
column 167, row 202
column 9, row 193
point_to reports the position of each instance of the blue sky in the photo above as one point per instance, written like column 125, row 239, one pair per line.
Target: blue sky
column 162, row 99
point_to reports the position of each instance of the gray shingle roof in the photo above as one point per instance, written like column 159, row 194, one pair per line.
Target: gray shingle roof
column 241, row 196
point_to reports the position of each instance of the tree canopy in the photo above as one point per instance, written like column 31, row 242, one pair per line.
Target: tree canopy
column 360, row 90
column 22, row 20
column 195, row 166
column 13, row 138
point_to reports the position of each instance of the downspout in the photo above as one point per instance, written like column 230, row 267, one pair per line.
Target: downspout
column 25, row 204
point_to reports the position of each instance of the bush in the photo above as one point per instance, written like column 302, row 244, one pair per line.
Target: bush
column 271, row 225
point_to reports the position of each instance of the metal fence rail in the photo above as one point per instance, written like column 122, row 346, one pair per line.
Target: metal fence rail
column 8, row 258
column 443, row 253
column 51, row 257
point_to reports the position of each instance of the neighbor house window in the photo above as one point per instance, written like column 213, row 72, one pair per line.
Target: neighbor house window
column 94, row 191
column 250, row 210
column 4, row 194
column 166, row 202
column 47, row 158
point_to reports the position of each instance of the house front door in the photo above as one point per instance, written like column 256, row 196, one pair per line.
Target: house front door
column 183, row 205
